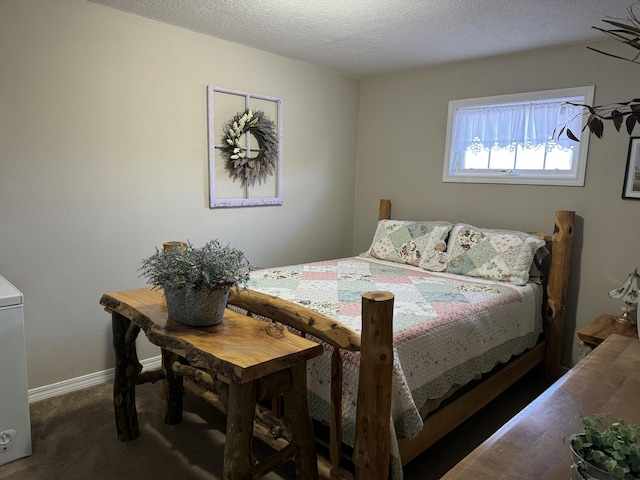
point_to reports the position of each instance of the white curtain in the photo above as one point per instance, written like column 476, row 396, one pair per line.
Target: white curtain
column 528, row 125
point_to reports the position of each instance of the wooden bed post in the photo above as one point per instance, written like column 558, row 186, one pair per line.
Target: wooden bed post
column 384, row 213
column 373, row 438
column 557, row 291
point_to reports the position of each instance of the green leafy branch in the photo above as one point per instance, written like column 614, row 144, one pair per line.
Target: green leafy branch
column 627, row 32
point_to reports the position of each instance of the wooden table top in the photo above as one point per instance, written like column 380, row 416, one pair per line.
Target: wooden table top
column 530, row 445
column 603, row 326
column 240, row 348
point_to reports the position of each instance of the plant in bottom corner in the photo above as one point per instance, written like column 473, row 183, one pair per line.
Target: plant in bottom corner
column 614, row 449
column 196, row 281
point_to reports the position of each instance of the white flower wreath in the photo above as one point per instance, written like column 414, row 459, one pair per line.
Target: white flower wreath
column 237, row 161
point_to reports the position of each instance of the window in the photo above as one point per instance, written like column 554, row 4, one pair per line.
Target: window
column 514, row 138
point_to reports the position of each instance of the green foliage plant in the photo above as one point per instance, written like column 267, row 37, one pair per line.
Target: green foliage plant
column 212, row 267
column 613, row 449
column 627, row 32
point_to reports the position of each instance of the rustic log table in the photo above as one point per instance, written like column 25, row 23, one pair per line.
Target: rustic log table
column 530, row 446
column 241, row 360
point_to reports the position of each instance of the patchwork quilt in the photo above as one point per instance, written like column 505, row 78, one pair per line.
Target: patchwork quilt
column 447, row 328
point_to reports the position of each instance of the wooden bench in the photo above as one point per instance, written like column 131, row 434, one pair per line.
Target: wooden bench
column 232, row 365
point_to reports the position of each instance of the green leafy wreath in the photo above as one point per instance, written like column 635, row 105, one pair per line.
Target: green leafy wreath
column 249, row 170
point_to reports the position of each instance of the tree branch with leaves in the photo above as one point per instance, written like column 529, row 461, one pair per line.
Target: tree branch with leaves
column 627, row 32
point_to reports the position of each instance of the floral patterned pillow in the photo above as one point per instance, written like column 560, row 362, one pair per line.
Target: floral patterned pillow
column 409, row 242
column 504, row 255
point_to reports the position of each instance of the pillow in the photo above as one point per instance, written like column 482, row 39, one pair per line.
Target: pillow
column 535, row 274
column 504, row 255
column 408, row 242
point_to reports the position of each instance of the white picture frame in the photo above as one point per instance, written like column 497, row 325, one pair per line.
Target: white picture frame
column 222, row 105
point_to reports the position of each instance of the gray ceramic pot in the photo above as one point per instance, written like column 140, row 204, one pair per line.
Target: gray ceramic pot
column 583, row 470
column 196, row 308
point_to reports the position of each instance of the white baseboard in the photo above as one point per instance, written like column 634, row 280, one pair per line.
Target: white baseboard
column 104, row 376
column 84, row 381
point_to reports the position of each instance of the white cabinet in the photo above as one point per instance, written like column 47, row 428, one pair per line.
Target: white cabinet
column 15, row 424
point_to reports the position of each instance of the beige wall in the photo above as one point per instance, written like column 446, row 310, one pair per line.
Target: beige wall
column 401, row 150
column 103, row 155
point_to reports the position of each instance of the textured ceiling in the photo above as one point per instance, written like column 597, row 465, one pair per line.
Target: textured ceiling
column 368, row 37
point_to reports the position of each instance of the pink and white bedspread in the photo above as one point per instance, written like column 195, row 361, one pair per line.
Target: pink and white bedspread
column 448, row 328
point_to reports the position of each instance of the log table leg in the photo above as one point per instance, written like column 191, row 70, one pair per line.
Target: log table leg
column 240, row 414
column 126, row 372
column 296, row 413
column 174, row 389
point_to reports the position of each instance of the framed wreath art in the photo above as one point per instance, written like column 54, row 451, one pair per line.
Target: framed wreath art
column 237, row 157
column 245, row 148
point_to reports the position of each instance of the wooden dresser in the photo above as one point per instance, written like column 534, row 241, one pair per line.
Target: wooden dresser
column 530, row 445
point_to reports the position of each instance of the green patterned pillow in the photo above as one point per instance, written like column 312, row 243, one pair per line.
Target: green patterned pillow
column 504, row 255
column 408, row 242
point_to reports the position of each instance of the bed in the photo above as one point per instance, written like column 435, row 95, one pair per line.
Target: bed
column 400, row 369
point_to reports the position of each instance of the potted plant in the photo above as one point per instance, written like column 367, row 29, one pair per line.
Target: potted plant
column 196, row 281
column 605, row 453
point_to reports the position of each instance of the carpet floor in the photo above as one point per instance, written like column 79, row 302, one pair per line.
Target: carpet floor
column 74, row 438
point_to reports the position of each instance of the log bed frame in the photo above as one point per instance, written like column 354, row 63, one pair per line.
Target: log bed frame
column 371, row 453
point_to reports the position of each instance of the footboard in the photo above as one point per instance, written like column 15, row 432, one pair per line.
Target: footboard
column 373, row 441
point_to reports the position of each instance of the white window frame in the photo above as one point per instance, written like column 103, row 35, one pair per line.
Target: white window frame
column 245, row 196
column 575, row 177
